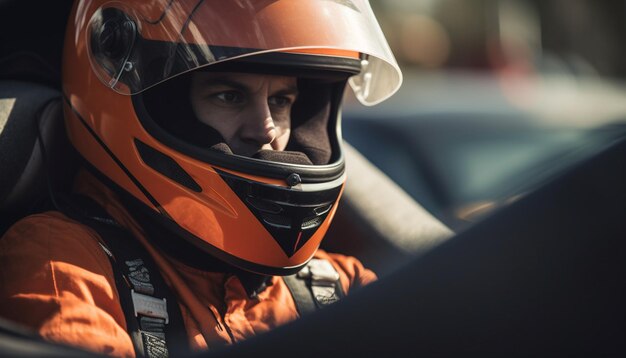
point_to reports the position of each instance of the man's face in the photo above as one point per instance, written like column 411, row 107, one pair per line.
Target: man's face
column 251, row 111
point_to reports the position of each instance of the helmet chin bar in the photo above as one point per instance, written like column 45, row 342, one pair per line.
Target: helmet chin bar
column 290, row 216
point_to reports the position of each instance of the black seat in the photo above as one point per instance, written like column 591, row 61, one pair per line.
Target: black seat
column 25, row 107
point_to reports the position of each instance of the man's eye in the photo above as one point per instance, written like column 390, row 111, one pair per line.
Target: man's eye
column 230, row 97
column 279, row 101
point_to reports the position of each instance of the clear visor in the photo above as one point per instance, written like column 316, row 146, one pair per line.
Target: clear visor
column 134, row 48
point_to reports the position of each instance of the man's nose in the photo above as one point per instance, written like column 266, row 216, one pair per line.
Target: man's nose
column 258, row 128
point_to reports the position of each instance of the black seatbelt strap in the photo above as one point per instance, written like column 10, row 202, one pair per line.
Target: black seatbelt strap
column 317, row 285
column 153, row 318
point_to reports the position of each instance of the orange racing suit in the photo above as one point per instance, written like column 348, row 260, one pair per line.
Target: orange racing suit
column 57, row 280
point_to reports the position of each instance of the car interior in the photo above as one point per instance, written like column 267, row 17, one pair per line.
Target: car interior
column 544, row 274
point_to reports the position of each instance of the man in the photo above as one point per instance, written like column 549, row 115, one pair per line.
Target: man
column 210, row 132
column 257, row 108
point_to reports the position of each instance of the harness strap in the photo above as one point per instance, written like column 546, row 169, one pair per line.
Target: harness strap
column 156, row 330
column 316, row 286
column 301, row 294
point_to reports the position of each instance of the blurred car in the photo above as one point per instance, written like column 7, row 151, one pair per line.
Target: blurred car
column 464, row 143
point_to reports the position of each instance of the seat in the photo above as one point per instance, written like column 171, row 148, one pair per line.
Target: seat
column 378, row 222
column 28, row 109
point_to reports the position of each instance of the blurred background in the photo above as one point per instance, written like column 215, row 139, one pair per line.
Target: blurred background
column 499, row 96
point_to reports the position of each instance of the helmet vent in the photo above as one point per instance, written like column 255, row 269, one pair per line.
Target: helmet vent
column 264, row 205
column 277, row 221
column 311, row 223
column 166, row 166
column 321, row 210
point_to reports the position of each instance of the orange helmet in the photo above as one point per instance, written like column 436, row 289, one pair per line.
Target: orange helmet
column 125, row 66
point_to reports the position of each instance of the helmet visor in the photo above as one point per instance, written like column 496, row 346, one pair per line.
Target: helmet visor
column 134, row 48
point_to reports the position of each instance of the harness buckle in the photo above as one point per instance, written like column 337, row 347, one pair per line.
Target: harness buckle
column 149, row 306
column 324, row 279
column 321, row 273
